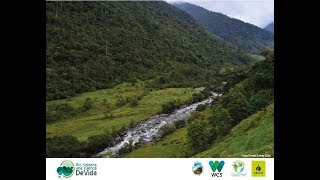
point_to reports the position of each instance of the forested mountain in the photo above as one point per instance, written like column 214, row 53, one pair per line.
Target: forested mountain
column 95, row 45
column 239, row 122
column 242, row 35
column 270, row 27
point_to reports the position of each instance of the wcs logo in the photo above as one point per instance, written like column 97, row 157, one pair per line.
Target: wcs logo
column 216, row 165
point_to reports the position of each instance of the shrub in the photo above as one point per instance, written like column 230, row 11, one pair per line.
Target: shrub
column 88, row 104
column 198, row 135
column 121, row 102
column 221, row 121
column 179, row 124
column 169, row 107
column 167, row 129
column 59, row 111
column 63, row 147
column 236, row 103
column 260, row 100
column 53, row 116
column 201, row 107
column 126, row 148
column 97, row 143
column 133, row 102
column 239, row 109
column 201, row 96
column 104, row 102
column 64, row 107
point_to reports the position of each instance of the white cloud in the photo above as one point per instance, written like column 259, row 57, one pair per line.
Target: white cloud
column 257, row 12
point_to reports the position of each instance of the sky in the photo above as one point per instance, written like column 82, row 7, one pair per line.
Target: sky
column 257, row 12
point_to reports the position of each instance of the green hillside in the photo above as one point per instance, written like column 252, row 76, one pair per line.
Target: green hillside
column 254, row 135
column 171, row 146
column 97, row 45
column 240, row 34
column 239, row 122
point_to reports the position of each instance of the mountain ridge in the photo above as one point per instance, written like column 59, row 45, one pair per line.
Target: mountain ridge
column 243, row 35
column 270, row 27
column 97, row 45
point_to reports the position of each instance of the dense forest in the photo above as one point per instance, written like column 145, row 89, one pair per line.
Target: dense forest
column 97, row 45
column 112, row 65
column 243, row 35
column 248, row 91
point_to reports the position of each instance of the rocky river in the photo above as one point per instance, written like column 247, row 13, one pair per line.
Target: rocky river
column 148, row 130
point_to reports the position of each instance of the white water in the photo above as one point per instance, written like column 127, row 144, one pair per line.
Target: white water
column 147, row 131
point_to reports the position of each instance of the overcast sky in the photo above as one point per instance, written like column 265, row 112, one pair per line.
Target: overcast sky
column 257, row 12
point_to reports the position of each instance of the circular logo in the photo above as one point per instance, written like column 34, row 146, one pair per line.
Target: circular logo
column 238, row 166
column 197, row 168
column 66, row 169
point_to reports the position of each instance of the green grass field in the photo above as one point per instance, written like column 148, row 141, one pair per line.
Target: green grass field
column 171, row 146
column 94, row 121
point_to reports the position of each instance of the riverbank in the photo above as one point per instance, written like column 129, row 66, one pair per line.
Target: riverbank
column 148, row 131
column 110, row 110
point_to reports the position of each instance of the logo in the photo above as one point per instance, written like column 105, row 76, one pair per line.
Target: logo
column 66, row 169
column 259, row 168
column 216, row 165
column 238, row 167
column 197, row 168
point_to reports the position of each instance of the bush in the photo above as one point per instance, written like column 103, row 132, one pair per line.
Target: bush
column 236, row 103
column 167, row 129
column 88, row 104
column 59, row 111
column 133, row 102
column 121, row 102
column 239, row 109
column 97, row 143
column 201, row 107
column 126, row 148
column 64, row 107
column 53, row 116
column 221, row 121
column 104, row 102
column 260, row 100
column 63, row 147
column 179, row 124
column 198, row 135
column 169, row 107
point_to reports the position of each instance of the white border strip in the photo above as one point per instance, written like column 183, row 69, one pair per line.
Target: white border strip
column 156, row 168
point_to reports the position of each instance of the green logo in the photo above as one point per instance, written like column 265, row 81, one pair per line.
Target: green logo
column 238, row 166
column 216, row 165
column 66, row 169
column 259, row 168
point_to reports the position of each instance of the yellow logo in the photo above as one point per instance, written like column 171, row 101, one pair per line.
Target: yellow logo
column 258, row 168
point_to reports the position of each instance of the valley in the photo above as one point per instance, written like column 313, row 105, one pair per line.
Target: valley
column 108, row 113
column 155, row 80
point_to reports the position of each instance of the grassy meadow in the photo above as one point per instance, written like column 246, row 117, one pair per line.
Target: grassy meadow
column 106, row 114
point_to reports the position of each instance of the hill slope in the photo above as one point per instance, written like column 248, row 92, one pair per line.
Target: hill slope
column 253, row 135
column 270, row 27
column 96, row 45
column 243, row 35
